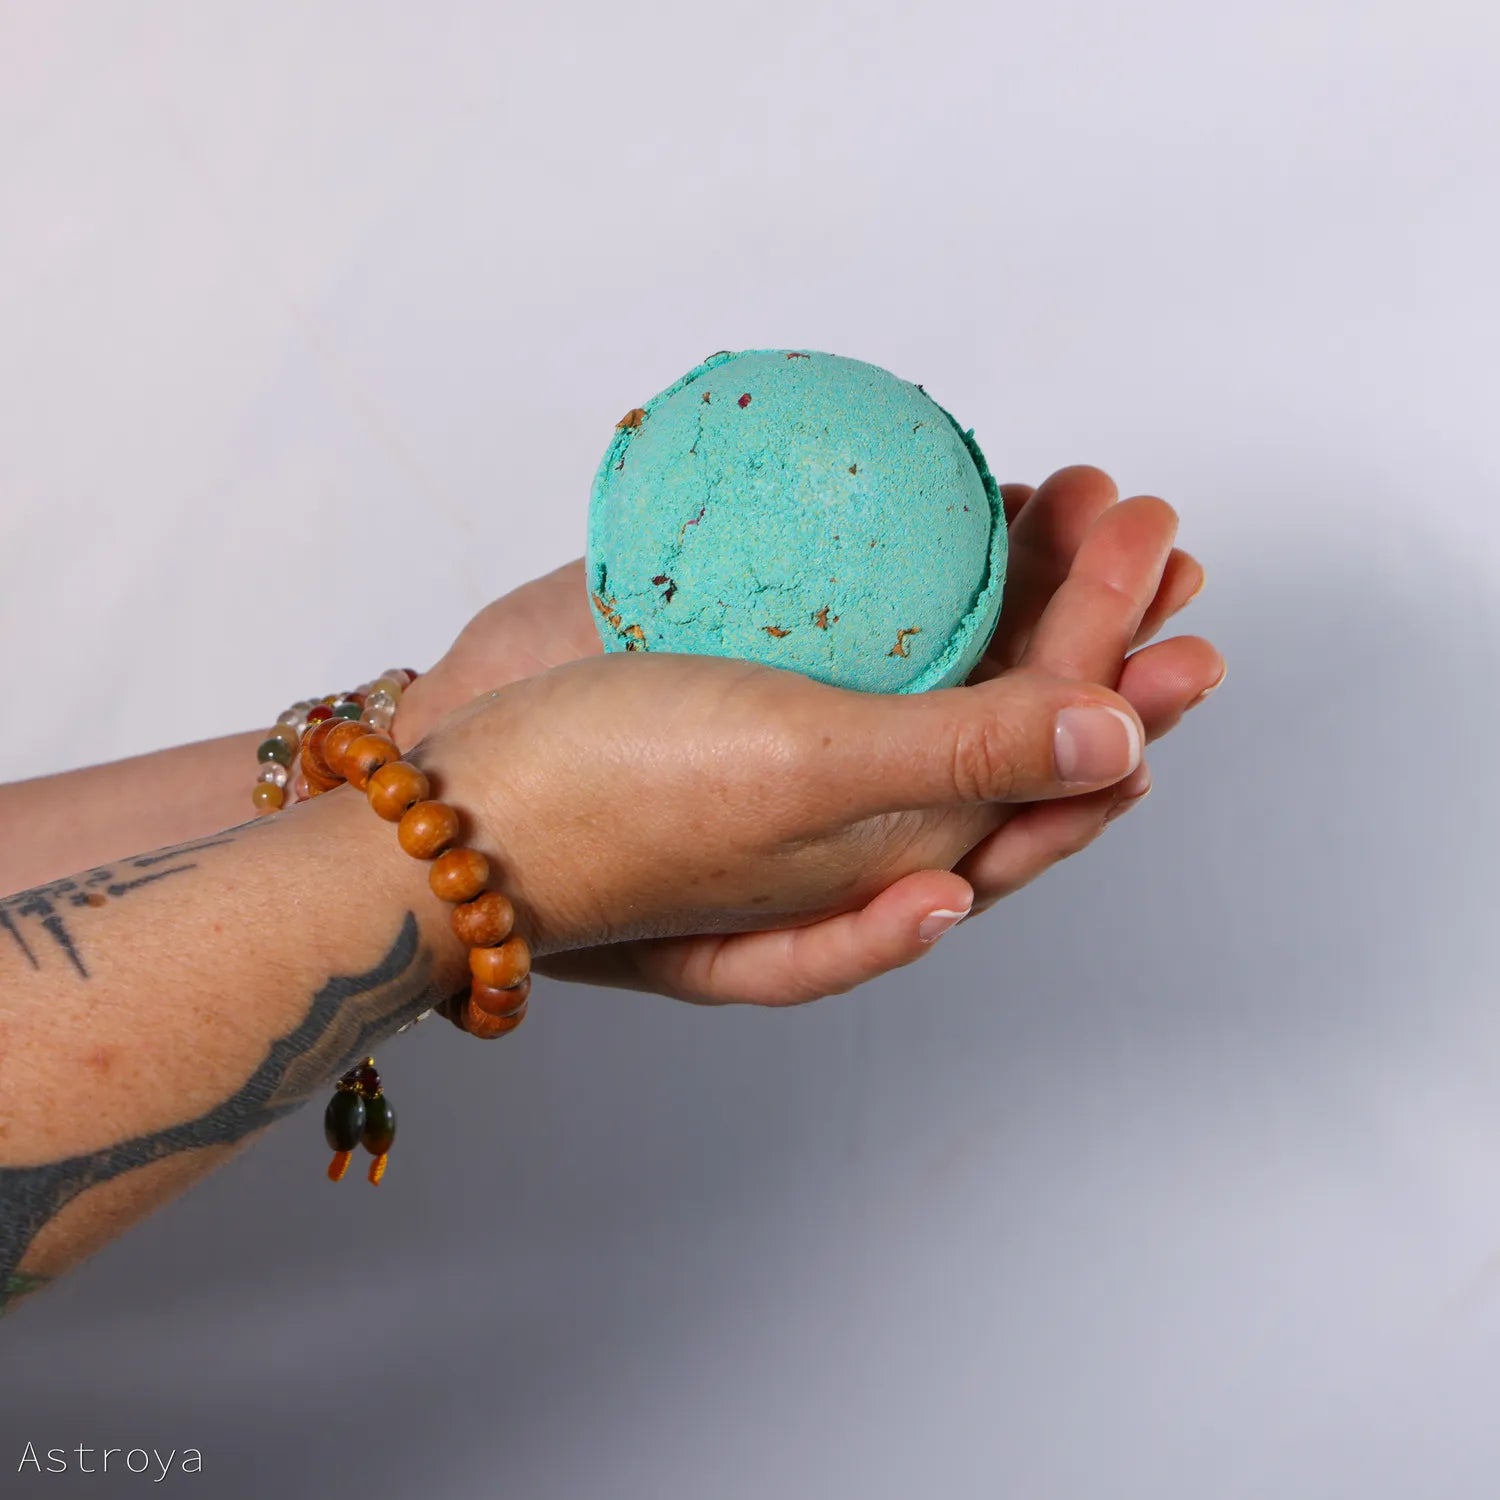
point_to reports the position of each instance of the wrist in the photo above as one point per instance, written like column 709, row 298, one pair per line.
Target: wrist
column 514, row 804
column 352, row 852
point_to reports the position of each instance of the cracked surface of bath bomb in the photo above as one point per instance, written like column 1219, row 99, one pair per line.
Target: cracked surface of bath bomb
column 802, row 509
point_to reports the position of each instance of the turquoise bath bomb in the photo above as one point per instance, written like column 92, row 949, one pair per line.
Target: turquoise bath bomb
column 801, row 509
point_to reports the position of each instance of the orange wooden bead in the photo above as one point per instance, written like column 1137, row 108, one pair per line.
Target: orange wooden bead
column 482, row 1024
column 427, row 829
column 484, row 921
column 500, row 1002
column 337, row 741
column 314, row 761
column 366, row 756
column 458, row 875
column 318, row 783
column 503, row 966
column 394, row 788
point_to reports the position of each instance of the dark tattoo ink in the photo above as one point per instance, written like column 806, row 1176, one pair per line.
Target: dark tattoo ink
column 346, row 1016
column 48, row 905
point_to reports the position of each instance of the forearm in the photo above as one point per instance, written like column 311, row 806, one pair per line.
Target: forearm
column 79, row 819
column 157, row 1013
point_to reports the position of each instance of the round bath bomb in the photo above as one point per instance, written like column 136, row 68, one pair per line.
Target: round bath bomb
column 801, row 509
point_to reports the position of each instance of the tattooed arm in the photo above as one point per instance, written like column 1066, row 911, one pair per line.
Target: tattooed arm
column 158, row 1011
column 79, row 819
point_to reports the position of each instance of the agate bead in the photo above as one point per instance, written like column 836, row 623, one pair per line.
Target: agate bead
column 266, row 796
column 275, row 749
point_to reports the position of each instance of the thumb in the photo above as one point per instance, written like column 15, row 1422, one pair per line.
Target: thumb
column 1024, row 736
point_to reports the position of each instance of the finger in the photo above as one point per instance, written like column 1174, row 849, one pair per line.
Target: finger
column 1016, row 738
column 1094, row 615
column 1013, row 498
column 1164, row 681
column 1182, row 581
column 1036, row 838
column 1048, row 531
column 790, row 966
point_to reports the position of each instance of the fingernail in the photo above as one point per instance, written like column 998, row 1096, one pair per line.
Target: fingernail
column 1134, row 790
column 1213, row 687
column 1094, row 743
column 937, row 922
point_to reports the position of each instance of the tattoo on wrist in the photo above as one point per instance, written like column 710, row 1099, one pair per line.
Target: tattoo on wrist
column 343, row 1019
column 43, row 919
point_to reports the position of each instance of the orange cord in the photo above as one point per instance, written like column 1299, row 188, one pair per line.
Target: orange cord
column 339, row 1165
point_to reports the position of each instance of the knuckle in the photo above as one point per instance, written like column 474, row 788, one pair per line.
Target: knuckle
column 988, row 756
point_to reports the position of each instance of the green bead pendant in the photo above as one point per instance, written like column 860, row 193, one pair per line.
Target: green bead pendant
column 344, row 1120
column 380, row 1125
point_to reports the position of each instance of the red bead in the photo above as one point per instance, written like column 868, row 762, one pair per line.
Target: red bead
column 322, row 711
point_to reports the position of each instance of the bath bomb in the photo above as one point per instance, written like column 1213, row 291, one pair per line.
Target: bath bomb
column 802, row 509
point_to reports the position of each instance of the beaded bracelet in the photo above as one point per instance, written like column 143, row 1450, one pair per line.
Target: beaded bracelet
column 341, row 739
column 483, row 920
column 372, row 704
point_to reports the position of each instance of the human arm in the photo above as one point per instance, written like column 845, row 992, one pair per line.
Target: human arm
column 157, row 1014
column 74, row 820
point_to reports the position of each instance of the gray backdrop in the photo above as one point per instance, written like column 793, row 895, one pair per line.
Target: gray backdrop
column 1179, row 1175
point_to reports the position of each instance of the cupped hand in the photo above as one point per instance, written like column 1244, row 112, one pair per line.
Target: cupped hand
column 1132, row 579
column 648, row 795
column 1091, row 581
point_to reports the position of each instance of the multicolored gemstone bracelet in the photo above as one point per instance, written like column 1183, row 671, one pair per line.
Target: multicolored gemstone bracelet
column 318, row 745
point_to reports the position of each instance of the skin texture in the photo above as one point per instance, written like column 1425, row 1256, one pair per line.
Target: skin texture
column 77, row 820
column 741, row 834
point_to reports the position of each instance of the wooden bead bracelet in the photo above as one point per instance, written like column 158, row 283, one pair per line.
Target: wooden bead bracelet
column 339, row 745
column 335, row 751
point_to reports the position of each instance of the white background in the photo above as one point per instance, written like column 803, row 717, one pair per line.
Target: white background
column 1177, row 1176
